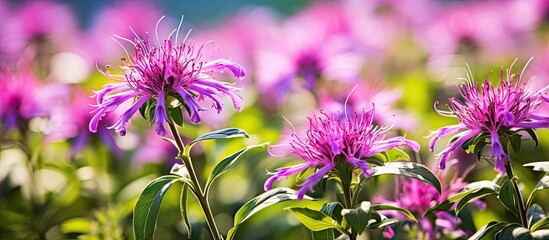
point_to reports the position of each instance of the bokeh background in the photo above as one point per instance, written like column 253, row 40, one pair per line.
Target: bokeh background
column 59, row 181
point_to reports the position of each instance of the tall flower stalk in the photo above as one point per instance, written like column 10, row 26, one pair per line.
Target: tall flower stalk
column 161, row 80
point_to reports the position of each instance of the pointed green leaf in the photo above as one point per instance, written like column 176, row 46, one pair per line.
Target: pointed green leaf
column 534, row 214
column 358, row 218
column 176, row 115
column 221, row 134
column 538, row 166
column 260, row 202
column 543, row 183
column 471, row 187
column 408, row 169
column 539, row 224
column 486, row 229
column 378, row 207
column 516, row 142
column 476, row 193
column 183, row 209
column 313, row 219
column 224, row 165
column 515, row 232
column 507, row 197
column 531, row 133
column 148, row 205
column 332, row 209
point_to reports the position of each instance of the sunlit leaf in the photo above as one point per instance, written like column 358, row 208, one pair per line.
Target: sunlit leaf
column 539, row 224
column 221, row 134
column 378, row 207
column 487, row 229
column 148, row 205
column 358, row 218
column 538, row 166
column 408, row 169
column 514, row 232
column 470, row 196
column 260, row 202
column 313, row 219
column 183, row 210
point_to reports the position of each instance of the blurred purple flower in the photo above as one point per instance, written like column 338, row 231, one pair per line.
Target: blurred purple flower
column 71, row 122
column 37, row 21
column 24, row 98
column 311, row 46
column 417, row 197
column 489, row 27
column 494, row 111
column 115, row 19
column 330, row 141
column 164, row 72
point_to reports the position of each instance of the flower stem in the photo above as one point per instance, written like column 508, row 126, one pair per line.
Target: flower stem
column 200, row 194
column 347, row 196
column 520, row 201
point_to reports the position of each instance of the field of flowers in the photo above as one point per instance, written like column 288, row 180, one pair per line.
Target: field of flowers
column 350, row 119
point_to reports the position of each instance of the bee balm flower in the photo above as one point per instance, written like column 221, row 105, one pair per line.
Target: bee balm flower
column 331, row 141
column 164, row 73
column 493, row 112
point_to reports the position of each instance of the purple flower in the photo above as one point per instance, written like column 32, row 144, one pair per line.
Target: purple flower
column 171, row 75
column 417, row 197
column 493, row 111
column 331, row 141
column 24, row 97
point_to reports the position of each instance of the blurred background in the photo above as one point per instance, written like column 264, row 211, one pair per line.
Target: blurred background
column 59, row 181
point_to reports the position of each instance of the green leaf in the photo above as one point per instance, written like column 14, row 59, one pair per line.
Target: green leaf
column 224, row 165
column 534, row 214
column 327, row 234
column 148, row 205
column 486, row 229
column 176, row 115
column 531, row 133
column 183, row 210
column 514, row 232
column 471, row 187
column 516, row 142
column 507, row 197
column 147, row 109
column 408, row 169
column 476, row 193
column 539, row 224
column 332, row 209
column 378, row 207
column 538, row 166
column 358, row 218
column 543, row 183
column 221, row 134
column 260, row 202
column 313, row 219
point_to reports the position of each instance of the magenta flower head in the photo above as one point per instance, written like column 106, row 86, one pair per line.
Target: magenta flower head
column 332, row 141
column 417, row 197
column 491, row 116
column 161, row 77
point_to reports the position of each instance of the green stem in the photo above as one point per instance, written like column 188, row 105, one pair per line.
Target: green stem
column 347, row 196
column 202, row 198
column 520, row 201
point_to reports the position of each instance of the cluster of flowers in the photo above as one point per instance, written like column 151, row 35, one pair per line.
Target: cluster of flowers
column 323, row 51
